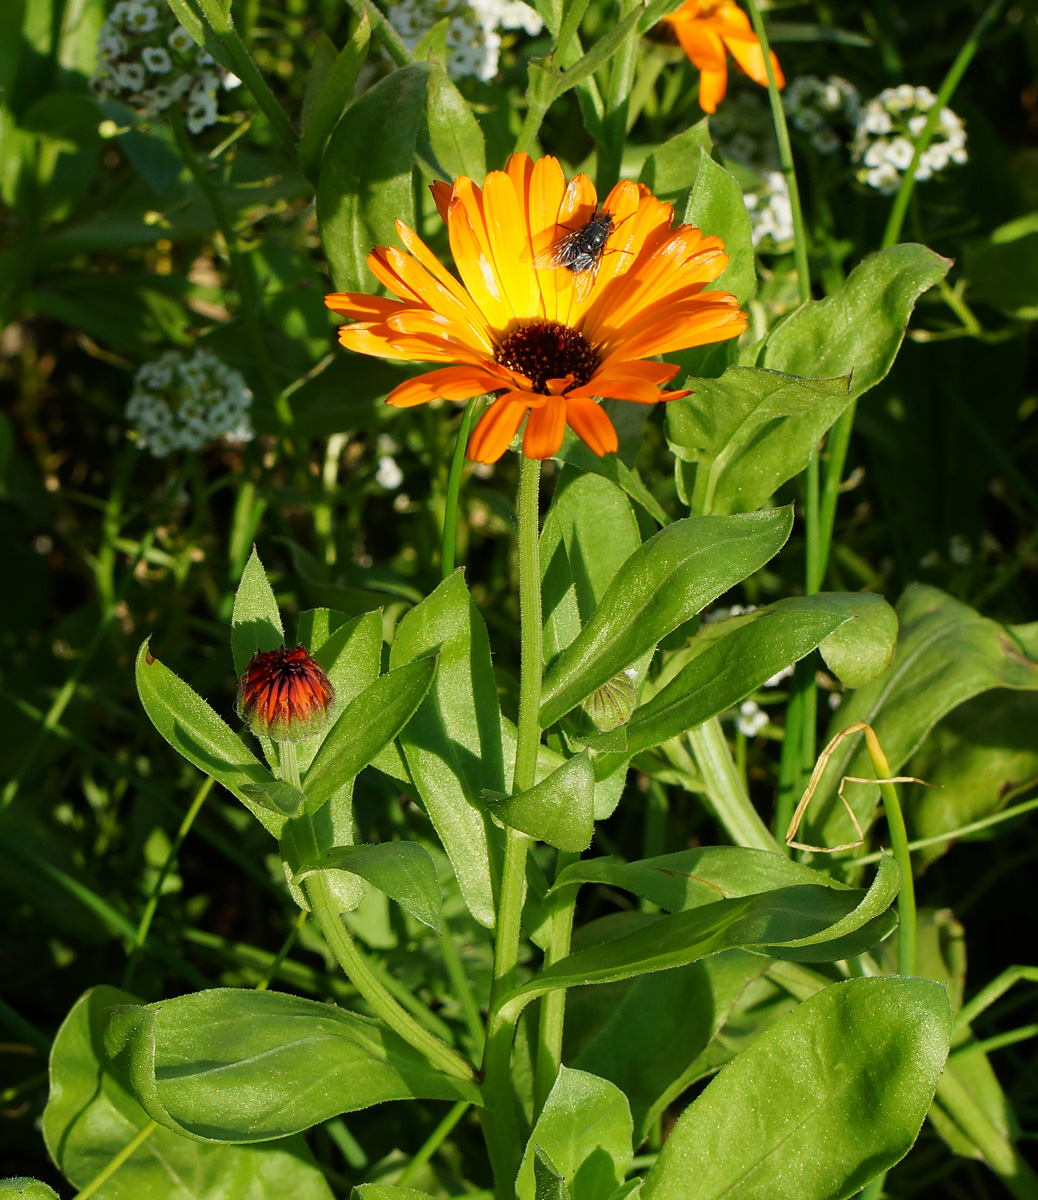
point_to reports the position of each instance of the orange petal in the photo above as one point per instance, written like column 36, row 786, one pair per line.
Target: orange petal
column 415, row 246
column 695, row 325
column 360, row 306
column 473, row 257
column 366, row 338
column 441, row 194
column 452, row 383
column 544, row 429
column 622, row 387
column 496, row 428
column 591, row 425
column 712, row 87
column 702, row 43
column 507, row 232
column 748, row 54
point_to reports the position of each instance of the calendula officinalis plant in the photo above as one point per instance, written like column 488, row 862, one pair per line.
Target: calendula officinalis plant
column 556, row 272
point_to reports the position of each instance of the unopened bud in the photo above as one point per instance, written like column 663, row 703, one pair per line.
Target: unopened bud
column 614, row 701
column 284, row 695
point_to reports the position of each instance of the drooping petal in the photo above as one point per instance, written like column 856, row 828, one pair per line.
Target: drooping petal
column 544, row 428
column 361, row 307
column 712, row 87
column 441, row 194
column 452, row 383
column 591, row 425
column 747, row 52
column 496, row 428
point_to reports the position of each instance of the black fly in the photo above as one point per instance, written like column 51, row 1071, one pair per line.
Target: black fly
column 579, row 251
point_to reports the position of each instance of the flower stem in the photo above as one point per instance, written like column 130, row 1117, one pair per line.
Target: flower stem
column 346, row 952
column 433, row 1142
column 499, row 1114
column 899, row 209
column 450, row 509
column 778, row 116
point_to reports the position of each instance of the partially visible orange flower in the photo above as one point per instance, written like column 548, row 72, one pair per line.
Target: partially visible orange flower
column 546, row 347
column 707, row 29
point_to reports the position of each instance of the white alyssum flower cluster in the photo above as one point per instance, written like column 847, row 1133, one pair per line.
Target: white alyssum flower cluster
column 816, row 106
column 771, row 214
column 148, row 61
column 887, row 131
column 181, row 403
column 472, row 35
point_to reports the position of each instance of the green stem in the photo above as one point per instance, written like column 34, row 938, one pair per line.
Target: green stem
column 450, row 508
column 144, row 925
column 724, row 788
column 392, row 42
column 499, row 1115
column 348, row 956
column 899, row 209
column 113, row 1165
column 462, row 989
column 219, row 17
column 241, row 264
column 614, row 123
column 553, row 1005
column 286, row 946
column 68, row 689
column 1023, row 1034
column 778, row 116
column 433, row 1142
column 992, row 992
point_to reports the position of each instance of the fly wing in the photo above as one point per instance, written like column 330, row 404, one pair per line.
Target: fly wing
column 559, row 254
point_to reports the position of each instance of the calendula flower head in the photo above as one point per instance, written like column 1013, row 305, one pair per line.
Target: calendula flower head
column 548, row 340
column 889, row 127
column 708, row 31
column 148, row 61
column 818, row 107
column 181, row 403
column 473, row 37
column 771, row 213
column 284, row 695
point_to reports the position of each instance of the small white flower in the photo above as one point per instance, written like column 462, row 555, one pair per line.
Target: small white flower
column 959, row 550
column 877, row 120
column 201, row 112
column 775, row 680
column 901, row 97
column 388, row 474
column 751, row 719
column 924, row 98
column 157, row 60
column 180, row 40
column 141, row 18
column 884, row 178
column 900, row 152
column 129, row 76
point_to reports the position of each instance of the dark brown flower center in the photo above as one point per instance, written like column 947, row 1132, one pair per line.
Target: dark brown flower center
column 547, row 350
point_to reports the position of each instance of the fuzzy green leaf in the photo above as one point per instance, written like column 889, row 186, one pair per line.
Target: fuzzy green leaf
column 560, row 810
column 403, row 870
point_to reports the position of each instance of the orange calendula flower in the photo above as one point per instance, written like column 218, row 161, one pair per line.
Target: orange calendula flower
column 547, row 342
column 284, row 694
column 710, row 29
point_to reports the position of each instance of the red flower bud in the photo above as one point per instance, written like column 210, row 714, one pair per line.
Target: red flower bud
column 284, row 695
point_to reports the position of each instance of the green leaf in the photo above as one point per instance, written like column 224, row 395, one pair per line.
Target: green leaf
column 643, row 1034
column 859, row 649
column 588, row 534
column 232, row 1065
column 20, row 1187
column 715, row 206
column 728, row 430
column 789, row 922
column 661, row 585
column 584, row 1132
column 731, row 666
column 453, row 743
column 672, row 167
column 195, row 731
column 974, row 758
column 1002, row 269
column 361, row 730
column 403, row 870
column 330, row 98
column 365, row 184
column 856, row 330
column 549, row 1183
column 383, row 1191
column 560, row 810
column 279, row 796
column 947, row 653
column 797, row 1116
column 255, row 619
column 691, row 878
column 91, row 1116
column 454, row 133
column 613, row 468
column 599, row 54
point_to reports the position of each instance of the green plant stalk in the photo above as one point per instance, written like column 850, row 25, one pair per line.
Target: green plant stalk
column 450, row 508
column 113, row 1164
column 1023, row 1034
column 614, row 123
column 899, row 209
column 433, row 1142
column 348, row 956
column 553, row 1005
column 461, row 988
column 241, row 265
column 499, row 1115
column 68, row 689
column 286, row 947
column 21, row 1028
column 778, row 116
column 992, row 992
column 724, row 788
column 144, row 925
column 222, row 24
column 392, row 42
